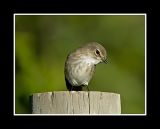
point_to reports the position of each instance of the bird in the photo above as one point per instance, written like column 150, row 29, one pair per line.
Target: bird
column 80, row 65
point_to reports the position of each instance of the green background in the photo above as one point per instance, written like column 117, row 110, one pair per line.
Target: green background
column 43, row 42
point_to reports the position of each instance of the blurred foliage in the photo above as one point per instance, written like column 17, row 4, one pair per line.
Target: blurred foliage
column 43, row 42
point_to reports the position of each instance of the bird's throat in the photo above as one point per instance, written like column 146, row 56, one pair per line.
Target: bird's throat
column 89, row 60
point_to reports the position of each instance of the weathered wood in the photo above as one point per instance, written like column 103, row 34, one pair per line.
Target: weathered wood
column 81, row 102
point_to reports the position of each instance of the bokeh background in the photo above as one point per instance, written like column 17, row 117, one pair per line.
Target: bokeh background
column 43, row 42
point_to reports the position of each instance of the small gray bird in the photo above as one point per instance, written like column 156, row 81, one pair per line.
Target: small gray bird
column 80, row 65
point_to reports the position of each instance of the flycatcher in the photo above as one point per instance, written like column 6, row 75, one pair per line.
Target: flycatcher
column 81, row 63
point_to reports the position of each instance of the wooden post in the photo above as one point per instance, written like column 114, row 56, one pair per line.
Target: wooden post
column 81, row 102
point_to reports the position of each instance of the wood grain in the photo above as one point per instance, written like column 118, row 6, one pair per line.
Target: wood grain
column 81, row 102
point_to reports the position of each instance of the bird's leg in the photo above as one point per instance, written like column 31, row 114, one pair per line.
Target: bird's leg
column 87, row 88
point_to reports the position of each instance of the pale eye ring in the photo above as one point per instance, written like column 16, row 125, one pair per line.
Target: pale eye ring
column 97, row 52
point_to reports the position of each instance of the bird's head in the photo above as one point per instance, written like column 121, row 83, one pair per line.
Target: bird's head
column 96, row 52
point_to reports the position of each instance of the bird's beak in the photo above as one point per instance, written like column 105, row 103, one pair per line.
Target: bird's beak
column 105, row 61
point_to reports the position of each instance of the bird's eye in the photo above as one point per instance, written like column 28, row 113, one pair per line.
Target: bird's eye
column 97, row 52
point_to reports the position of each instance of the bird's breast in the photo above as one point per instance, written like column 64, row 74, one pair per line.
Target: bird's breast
column 81, row 72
